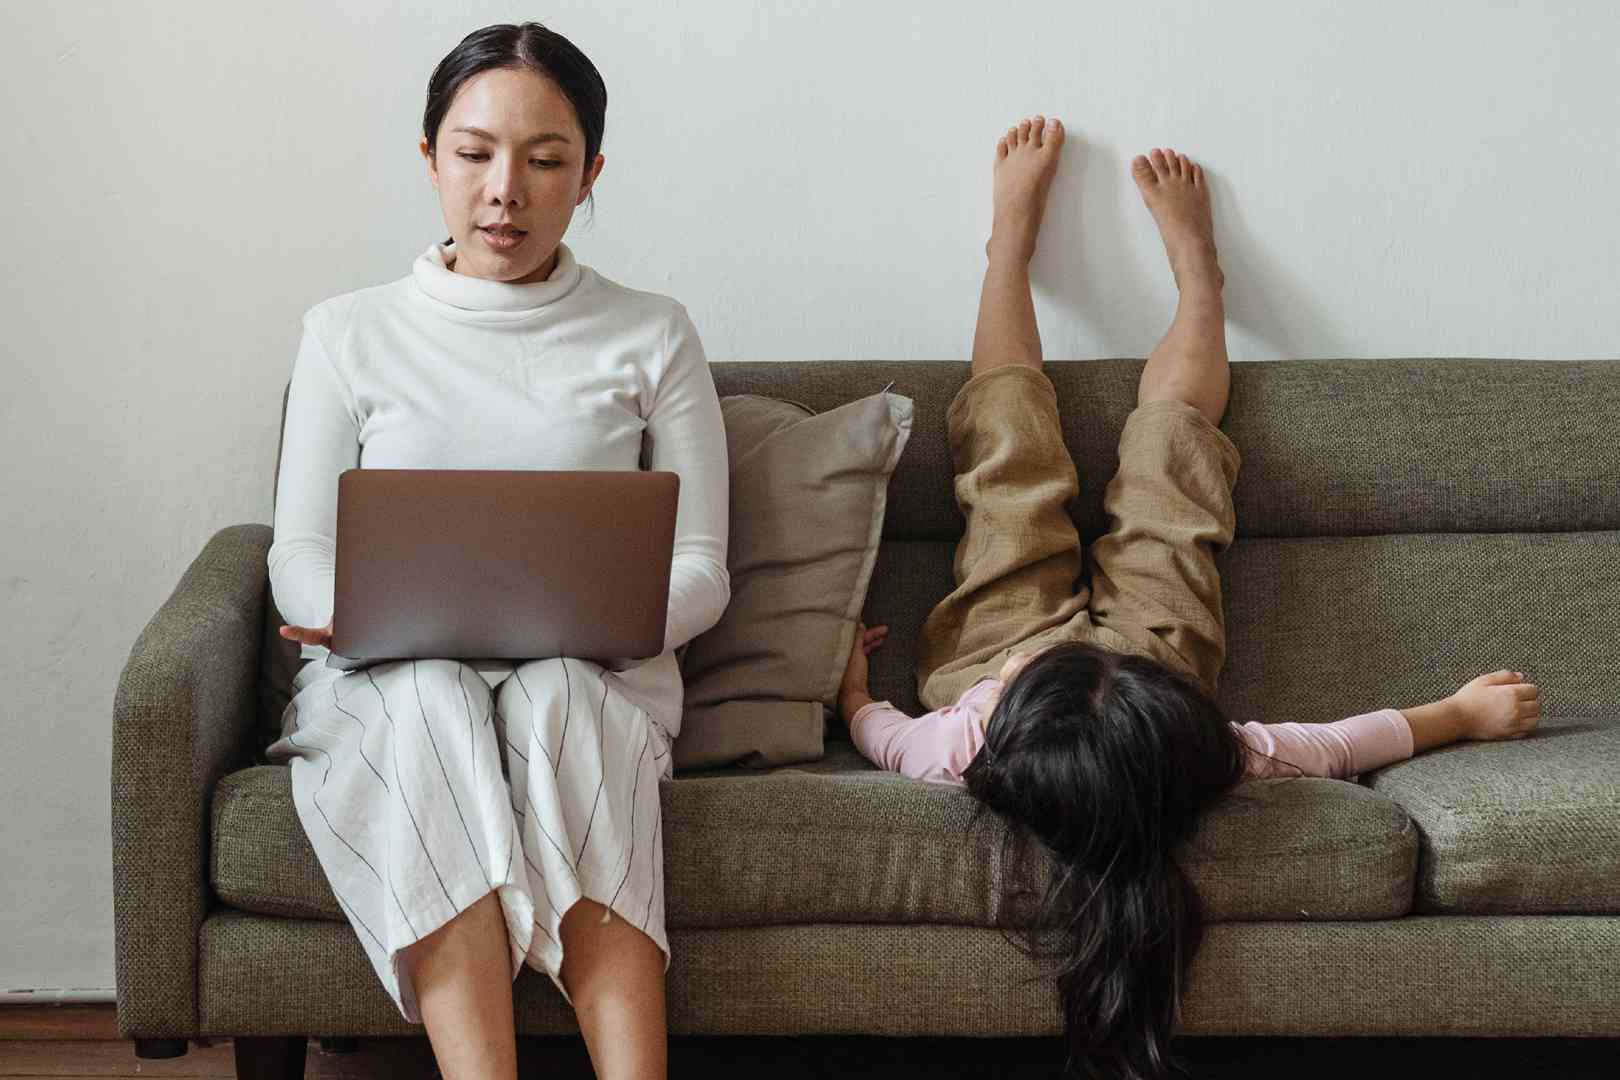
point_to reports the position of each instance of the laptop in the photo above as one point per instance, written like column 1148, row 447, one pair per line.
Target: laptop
column 502, row 564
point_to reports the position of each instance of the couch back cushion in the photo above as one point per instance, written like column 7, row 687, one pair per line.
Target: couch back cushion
column 1402, row 525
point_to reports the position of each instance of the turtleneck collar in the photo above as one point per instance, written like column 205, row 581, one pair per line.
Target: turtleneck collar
column 433, row 274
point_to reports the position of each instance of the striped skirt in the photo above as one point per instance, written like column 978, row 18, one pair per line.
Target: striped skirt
column 422, row 788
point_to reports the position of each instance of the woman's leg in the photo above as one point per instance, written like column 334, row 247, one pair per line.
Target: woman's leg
column 463, row 977
column 615, row 976
column 613, row 971
column 1019, row 557
column 585, row 767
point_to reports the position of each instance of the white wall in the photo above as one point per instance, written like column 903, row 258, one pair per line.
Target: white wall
column 811, row 179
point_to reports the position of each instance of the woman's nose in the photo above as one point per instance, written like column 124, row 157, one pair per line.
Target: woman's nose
column 506, row 181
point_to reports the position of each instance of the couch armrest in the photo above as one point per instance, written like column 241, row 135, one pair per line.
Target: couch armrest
column 183, row 716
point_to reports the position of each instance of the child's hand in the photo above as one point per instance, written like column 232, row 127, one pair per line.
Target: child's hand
column 866, row 639
column 1501, row 705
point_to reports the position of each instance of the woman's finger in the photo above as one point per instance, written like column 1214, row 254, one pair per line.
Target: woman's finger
column 306, row 636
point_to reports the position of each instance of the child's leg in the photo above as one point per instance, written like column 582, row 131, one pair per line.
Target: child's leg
column 1190, row 364
column 1026, row 160
column 1154, row 580
column 1019, row 557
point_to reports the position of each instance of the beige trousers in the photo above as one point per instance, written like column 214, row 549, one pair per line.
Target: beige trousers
column 1149, row 586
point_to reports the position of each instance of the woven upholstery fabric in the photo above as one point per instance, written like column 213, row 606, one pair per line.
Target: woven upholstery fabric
column 183, row 715
column 1331, row 448
column 1402, row 526
column 846, row 843
column 1455, row 976
column 1521, row 827
column 1320, row 628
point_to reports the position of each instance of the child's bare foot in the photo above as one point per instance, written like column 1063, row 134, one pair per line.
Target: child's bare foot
column 1178, row 197
column 1026, row 160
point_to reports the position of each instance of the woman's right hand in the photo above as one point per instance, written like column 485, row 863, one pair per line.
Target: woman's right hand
column 306, row 636
column 1500, row 705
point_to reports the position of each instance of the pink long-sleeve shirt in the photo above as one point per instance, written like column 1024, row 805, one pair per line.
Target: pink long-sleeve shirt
column 937, row 746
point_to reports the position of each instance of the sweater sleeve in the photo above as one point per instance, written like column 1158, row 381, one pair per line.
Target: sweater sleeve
column 914, row 746
column 686, row 434
column 320, row 439
column 1343, row 748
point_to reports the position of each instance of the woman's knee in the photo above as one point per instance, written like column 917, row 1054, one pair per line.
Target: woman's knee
column 553, row 690
column 419, row 696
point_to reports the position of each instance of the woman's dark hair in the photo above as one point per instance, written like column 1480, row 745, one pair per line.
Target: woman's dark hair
column 1106, row 759
column 528, row 45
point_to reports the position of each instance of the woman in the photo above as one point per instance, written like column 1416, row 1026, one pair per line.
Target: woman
column 1085, row 716
column 473, row 820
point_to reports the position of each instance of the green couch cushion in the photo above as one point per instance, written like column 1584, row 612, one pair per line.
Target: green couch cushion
column 838, row 841
column 1530, row 826
column 1496, row 976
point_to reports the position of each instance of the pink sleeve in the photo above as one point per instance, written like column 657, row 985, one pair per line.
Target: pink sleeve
column 934, row 746
column 1343, row 748
column 914, row 746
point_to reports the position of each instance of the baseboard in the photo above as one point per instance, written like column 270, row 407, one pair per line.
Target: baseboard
column 24, row 1022
column 76, row 995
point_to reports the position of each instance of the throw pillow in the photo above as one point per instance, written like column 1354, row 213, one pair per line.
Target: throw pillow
column 808, row 493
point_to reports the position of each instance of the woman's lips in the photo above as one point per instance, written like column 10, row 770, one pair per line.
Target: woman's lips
column 503, row 242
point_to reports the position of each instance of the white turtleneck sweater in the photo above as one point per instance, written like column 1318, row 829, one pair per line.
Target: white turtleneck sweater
column 439, row 370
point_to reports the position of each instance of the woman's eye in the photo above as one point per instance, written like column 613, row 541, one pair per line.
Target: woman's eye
column 544, row 164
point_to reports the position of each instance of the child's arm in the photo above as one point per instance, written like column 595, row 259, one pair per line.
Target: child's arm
column 880, row 733
column 1500, row 705
column 852, row 692
column 934, row 746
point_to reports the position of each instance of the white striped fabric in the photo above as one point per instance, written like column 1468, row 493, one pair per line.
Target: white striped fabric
column 422, row 788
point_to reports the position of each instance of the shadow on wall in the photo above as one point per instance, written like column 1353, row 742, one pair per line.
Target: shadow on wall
column 1091, row 263
column 1272, row 305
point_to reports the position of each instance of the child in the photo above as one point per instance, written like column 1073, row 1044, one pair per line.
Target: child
column 1099, row 736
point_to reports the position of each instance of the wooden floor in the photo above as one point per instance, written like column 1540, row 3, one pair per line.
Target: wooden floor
column 72, row 1041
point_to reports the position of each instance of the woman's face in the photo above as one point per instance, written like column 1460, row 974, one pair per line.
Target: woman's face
column 510, row 152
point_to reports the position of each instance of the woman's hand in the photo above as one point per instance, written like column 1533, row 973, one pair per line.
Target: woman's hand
column 866, row 639
column 1501, row 705
column 306, row 636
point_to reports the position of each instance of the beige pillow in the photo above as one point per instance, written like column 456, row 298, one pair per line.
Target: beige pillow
column 808, row 493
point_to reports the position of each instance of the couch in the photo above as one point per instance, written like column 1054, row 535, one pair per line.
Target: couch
column 1403, row 525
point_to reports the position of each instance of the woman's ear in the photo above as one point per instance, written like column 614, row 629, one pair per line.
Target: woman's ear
column 433, row 166
column 589, row 180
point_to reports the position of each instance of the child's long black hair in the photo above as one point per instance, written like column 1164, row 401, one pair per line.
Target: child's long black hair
column 1107, row 759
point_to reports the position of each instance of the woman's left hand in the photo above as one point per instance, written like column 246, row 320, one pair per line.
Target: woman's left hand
column 309, row 635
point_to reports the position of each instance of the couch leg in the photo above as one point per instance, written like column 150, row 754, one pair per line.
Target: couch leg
column 270, row 1058
column 161, row 1048
column 339, row 1044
